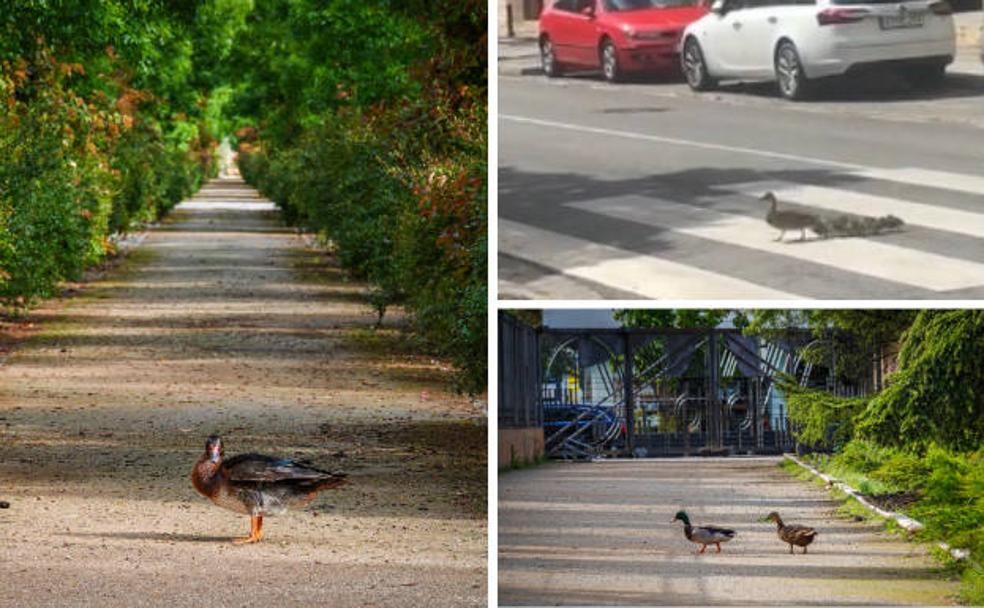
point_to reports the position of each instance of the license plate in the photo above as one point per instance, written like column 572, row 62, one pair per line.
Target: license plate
column 906, row 20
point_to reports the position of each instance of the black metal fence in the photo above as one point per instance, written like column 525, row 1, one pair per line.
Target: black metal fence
column 519, row 374
column 667, row 392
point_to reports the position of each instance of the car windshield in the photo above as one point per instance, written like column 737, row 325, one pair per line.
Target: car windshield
column 616, row 6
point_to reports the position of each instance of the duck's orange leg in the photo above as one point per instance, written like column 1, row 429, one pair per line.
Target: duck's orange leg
column 255, row 531
column 718, row 546
column 702, row 547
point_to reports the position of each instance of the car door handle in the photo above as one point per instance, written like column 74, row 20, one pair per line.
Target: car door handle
column 772, row 20
column 736, row 25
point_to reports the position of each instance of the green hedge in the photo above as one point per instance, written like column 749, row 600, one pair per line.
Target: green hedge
column 379, row 144
column 950, row 490
column 101, row 129
column 416, row 235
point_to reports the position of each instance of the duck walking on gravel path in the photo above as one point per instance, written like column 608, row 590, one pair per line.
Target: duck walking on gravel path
column 257, row 485
column 794, row 534
column 704, row 535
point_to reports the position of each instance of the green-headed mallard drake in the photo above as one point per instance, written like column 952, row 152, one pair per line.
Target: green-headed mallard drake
column 801, row 536
column 257, row 485
column 704, row 535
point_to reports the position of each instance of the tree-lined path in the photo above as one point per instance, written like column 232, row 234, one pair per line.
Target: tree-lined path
column 222, row 321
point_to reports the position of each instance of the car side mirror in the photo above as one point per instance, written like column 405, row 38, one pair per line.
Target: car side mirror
column 719, row 7
column 588, row 11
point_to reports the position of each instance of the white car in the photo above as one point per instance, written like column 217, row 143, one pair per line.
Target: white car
column 797, row 41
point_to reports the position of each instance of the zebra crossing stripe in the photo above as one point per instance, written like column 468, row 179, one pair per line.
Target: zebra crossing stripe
column 863, row 256
column 942, row 180
column 846, row 201
column 646, row 275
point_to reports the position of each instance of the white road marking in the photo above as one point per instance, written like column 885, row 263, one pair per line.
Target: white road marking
column 868, row 257
column 683, row 142
column 944, row 180
column 923, row 177
column 846, row 201
column 646, row 275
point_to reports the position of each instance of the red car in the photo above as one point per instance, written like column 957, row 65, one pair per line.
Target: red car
column 618, row 36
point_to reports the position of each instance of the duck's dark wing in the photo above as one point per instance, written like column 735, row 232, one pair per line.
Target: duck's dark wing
column 798, row 534
column 720, row 531
column 793, row 219
column 257, row 467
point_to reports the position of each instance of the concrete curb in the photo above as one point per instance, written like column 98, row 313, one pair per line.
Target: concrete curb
column 906, row 522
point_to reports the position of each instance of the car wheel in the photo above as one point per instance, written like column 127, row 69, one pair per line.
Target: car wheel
column 609, row 62
column 694, row 67
column 926, row 76
column 547, row 59
column 792, row 81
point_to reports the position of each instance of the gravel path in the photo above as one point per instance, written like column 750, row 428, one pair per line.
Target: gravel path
column 222, row 321
column 600, row 533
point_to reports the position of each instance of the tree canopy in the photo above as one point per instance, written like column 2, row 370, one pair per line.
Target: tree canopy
column 365, row 121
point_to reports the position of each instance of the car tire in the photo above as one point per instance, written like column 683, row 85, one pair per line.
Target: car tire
column 548, row 61
column 790, row 77
column 926, row 76
column 608, row 55
column 694, row 67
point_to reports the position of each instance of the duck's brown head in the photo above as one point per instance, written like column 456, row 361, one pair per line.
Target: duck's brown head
column 213, row 448
column 770, row 198
column 774, row 518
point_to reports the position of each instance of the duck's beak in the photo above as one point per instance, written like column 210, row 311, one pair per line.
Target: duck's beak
column 214, row 455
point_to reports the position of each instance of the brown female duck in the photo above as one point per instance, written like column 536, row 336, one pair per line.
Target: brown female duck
column 257, row 485
column 794, row 534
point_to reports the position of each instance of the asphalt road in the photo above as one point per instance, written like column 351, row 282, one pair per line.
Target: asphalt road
column 647, row 190
column 600, row 534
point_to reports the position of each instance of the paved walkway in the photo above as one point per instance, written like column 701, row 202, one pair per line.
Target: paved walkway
column 222, row 321
column 600, row 534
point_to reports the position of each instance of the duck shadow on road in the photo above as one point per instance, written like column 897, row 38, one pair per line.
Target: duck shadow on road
column 154, row 536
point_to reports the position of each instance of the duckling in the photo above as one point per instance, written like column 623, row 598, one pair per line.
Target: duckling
column 704, row 535
column 794, row 534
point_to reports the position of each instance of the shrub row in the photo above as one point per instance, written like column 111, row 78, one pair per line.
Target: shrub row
column 416, row 232
column 87, row 150
column 950, row 490
column 379, row 145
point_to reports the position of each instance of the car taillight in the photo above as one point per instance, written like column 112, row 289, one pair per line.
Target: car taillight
column 836, row 16
column 941, row 8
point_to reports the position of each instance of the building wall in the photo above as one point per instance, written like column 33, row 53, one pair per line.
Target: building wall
column 525, row 14
column 520, row 446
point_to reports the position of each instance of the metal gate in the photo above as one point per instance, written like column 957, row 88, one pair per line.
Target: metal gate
column 652, row 392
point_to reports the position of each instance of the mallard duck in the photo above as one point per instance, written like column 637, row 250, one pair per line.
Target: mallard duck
column 787, row 220
column 704, row 535
column 257, row 485
column 801, row 536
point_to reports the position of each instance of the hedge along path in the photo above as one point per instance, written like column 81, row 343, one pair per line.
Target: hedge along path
column 600, row 533
column 223, row 322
